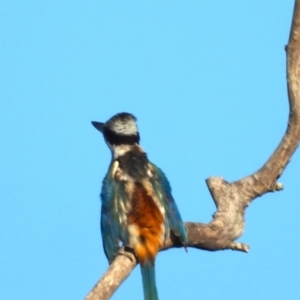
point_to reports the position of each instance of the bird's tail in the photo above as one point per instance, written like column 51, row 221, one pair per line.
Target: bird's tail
column 149, row 285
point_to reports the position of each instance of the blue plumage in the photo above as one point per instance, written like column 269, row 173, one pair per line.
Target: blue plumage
column 149, row 284
column 173, row 219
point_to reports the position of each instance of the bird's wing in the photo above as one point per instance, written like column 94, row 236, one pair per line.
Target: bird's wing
column 162, row 185
column 112, row 214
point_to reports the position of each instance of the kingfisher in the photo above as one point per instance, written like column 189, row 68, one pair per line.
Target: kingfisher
column 138, row 210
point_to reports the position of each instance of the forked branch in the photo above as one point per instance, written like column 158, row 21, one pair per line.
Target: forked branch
column 231, row 199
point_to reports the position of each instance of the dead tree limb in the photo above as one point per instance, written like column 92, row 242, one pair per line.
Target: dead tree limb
column 231, row 199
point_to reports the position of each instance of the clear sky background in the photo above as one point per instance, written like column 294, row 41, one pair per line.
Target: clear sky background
column 207, row 82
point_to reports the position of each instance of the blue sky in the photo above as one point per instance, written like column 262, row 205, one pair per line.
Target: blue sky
column 207, row 82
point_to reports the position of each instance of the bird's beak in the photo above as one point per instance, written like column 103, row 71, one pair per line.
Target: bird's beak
column 98, row 125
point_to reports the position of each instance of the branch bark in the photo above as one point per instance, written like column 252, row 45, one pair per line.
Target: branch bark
column 231, row 199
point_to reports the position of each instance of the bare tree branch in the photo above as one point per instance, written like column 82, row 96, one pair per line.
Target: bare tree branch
column 117, row 272
column 231, row 199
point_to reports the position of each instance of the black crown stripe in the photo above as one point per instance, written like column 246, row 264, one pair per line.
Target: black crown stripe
column 120, row 139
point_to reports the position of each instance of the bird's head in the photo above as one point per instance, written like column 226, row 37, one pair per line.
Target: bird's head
column 119, row 130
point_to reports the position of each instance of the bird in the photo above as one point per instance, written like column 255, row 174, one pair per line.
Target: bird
column 138, row 210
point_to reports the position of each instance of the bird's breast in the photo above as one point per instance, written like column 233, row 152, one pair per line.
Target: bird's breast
column 145, row 223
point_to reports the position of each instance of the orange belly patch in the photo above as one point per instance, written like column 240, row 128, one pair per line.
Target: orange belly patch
column 145, row 224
